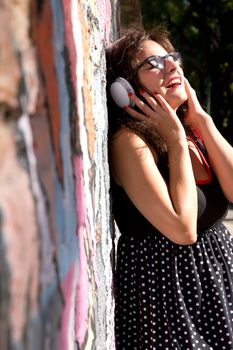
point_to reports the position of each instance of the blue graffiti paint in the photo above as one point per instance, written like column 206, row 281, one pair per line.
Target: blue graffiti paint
column 66, row 217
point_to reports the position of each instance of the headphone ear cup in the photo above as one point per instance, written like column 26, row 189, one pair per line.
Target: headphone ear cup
column 119, row 91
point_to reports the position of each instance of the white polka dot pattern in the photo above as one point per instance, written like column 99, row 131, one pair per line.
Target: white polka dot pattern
column 173, row 297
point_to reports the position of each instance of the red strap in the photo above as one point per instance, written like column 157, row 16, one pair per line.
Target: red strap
column 197, row 134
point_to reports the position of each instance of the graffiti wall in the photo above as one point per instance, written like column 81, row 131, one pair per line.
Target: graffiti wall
column 56, row 241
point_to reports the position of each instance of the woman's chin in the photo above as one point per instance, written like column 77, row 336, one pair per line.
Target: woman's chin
column 177, row 101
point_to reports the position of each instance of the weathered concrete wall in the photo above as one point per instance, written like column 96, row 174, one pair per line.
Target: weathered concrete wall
column 55, row 223
column 55, row 241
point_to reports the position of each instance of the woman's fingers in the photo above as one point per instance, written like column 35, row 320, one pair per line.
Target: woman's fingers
column 158, row 111
column 163, row 103
column 194, row 107
column 141, row 105
column 157, row 102
column 135, row 114
column 148, row 110
column 189, row 90
column 188, row 87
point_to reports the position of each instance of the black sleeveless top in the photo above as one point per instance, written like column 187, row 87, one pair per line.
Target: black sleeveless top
column 212, row 204
column 171, row 296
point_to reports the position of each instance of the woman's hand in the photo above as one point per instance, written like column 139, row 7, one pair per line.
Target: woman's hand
column 195, row 111
column 161, row 116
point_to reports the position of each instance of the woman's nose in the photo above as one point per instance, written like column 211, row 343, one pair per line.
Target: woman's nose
column 170, row 64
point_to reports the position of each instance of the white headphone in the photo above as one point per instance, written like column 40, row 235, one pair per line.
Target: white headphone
column 120, row 88
column 119, row 91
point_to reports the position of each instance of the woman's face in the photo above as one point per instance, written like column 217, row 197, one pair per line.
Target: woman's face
column 168, row 82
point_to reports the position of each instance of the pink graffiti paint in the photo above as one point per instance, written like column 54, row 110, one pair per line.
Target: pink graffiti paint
column 105, row 18
column 82, row 303
column 67, row 291
column 82, row 289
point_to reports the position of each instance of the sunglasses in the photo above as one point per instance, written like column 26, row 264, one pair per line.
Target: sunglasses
column 158, row 62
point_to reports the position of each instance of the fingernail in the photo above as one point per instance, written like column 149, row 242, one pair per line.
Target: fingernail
column 130, row 94
column 142, row 91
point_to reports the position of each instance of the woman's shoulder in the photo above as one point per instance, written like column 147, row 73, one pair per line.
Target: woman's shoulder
column 125, row 133
column 128, row 153
column 127, row 140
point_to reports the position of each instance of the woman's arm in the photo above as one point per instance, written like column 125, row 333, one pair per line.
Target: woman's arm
column 172, row 207
column 219, row 150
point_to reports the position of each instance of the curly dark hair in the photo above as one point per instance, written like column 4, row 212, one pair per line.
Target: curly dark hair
column 120, row 58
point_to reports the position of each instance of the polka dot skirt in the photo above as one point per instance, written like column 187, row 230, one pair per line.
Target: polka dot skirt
column 175, row 297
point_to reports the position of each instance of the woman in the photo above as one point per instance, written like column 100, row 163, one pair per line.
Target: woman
column 172, row 180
